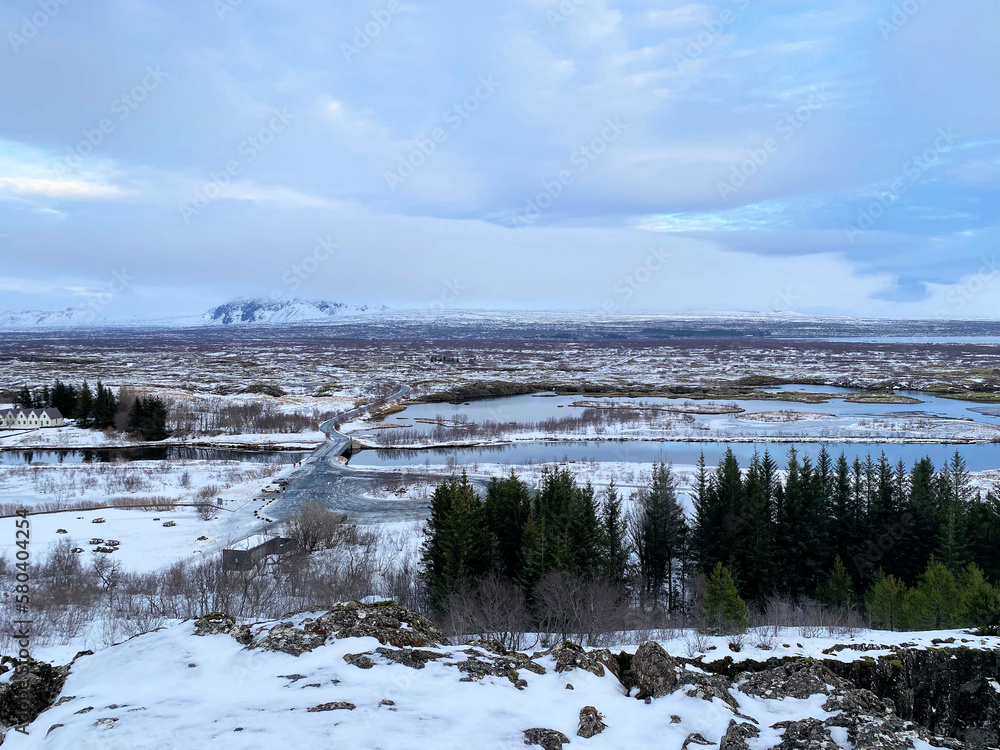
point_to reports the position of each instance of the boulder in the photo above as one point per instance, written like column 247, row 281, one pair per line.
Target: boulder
column 219, row 623
column 591, row 722
column 32, row 688
column 808, row 734
column 361, row 661
column 415, row 658
column 654, row 671
column 570, row 656
column 547, row 739
column 384, row 621
column 736, row 736
column 694, row 739
column 332, row 706
column 791, row 680
column 288, row 639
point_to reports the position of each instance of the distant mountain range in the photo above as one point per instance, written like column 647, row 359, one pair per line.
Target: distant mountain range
column 234, row 313
column 249, row 311
column 70, row 317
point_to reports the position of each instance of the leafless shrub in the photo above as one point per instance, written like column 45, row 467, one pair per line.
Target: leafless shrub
column 492, row 609
column 696, row 643
column 578, row 609
column 313, row 525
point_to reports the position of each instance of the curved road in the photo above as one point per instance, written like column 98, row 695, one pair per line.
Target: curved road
column 323, row 478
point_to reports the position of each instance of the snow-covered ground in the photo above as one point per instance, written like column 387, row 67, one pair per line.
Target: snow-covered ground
column 173, row 689
column 148, row 538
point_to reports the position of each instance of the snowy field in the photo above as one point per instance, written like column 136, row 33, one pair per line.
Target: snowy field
column 172, row 689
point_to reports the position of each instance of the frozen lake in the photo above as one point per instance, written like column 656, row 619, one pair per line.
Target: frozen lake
column 979, row 457
column 821, row 424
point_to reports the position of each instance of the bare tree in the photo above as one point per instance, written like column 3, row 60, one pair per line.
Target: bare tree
column 312, row 526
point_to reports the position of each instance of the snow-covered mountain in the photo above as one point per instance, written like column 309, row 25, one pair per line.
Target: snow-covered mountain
column 71, row 316
column 250, row 311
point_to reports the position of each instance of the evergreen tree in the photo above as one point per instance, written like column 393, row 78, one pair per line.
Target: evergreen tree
column 936, row 601
column 64, row 398
column 24, row 398
column 980, row 600
column 658, row 532
column 147, row 418
column 885, row 601
column 84, row 406
column 838, row 591
column 456, row 549
column 533, row 555
column 583, row 535
column 508, row 506
column 723, row 611
column 104, row 408
column 952, row 551
column 614, row 524
column 983, row 533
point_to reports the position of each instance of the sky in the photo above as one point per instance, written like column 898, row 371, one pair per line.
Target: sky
column 161, row 157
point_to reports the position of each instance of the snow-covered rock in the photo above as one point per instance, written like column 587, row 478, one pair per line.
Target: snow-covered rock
column 264, row 311
column 200, row 684
column 70, row 317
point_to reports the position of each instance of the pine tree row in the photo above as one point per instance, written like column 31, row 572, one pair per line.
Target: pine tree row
column 100, row 408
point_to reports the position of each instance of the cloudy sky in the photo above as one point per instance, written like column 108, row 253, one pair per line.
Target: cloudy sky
column 819, row 157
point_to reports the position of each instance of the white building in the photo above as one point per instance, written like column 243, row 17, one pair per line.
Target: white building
column 29, row 419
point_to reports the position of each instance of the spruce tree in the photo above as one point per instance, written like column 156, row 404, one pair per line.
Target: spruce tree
column 658, row 530
column 980, row 600
column 24, row 398
column 838, row 591
column 938, row 601
column 885, row 601
column 614, row 525
column 723, row 611
column 456, row 550
column 84, row 406
column 508, row 505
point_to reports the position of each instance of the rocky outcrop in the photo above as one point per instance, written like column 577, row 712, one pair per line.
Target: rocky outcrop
column 947, row 691
column 219, row 623
column 808, row 734
column 32, row 688
column 391, row 624
column 289, row 639
column 736, row 736
column 792, row 680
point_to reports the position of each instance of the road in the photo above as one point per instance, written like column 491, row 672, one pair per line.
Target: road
column 324, row 479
